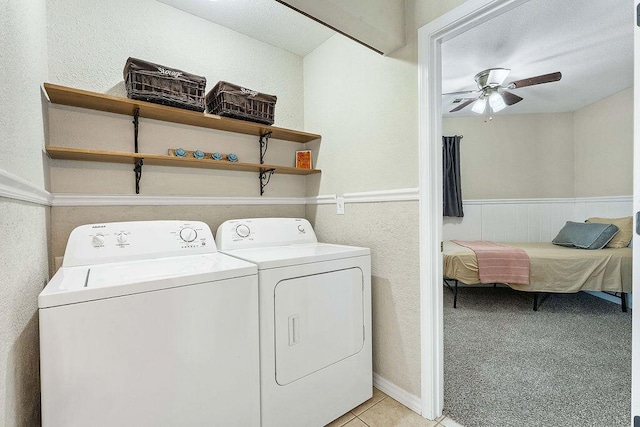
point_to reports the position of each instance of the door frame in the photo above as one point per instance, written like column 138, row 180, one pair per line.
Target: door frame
column 430, row 37
column 635, row 325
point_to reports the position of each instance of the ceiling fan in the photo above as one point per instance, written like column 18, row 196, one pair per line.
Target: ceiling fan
column 491, row 96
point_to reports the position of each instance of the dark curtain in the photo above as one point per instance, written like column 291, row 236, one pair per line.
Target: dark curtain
column 452, row 194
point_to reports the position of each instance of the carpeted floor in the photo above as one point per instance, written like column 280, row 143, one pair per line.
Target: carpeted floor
column 568, row 364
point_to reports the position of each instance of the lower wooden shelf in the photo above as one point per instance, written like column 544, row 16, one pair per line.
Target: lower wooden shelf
column 66, row 153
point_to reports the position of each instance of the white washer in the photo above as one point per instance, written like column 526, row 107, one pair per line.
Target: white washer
column 315, row 319
column 146, row 324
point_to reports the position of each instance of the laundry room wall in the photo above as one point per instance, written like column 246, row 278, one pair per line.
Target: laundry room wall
column 366, row 108
column 23, row 224
column 89, row 43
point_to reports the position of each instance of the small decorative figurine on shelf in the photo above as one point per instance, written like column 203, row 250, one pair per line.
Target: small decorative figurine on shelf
column 180, row 152
column 232, row 157
column 198, row 154
column 216, row 156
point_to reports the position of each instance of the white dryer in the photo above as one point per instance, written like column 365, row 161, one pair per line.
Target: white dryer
column 315, row 319
column 146, row 324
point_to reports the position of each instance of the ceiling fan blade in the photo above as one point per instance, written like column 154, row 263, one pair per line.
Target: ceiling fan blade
column 463, row 104
column 545, row 78
column 511, row 98
column 462, row 92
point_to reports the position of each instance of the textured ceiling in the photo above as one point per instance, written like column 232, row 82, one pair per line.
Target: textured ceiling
column 590, row 42
column 264, row 20
column 377, row 24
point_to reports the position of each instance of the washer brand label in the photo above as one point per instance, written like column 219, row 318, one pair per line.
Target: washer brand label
column 248, row 91
column 169, row 72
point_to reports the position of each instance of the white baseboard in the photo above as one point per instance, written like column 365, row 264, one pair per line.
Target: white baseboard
column 409, row 400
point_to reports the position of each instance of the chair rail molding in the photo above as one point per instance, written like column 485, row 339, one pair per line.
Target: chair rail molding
column 16, row 188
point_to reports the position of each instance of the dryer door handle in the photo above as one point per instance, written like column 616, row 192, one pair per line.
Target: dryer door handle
column 294, row 330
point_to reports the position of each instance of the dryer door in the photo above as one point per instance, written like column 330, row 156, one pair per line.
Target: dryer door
column 319, row 320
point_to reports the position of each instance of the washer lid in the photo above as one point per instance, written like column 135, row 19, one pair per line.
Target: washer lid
column 86, row 283
column 288, row 255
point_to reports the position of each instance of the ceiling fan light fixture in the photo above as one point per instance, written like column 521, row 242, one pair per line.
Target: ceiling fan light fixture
column 496, row 102
column 479, row 106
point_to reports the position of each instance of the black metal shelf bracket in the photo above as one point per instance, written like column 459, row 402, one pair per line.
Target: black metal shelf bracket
column 264, row 145
column 137, row 169
column 265, row 177
column 265, row 174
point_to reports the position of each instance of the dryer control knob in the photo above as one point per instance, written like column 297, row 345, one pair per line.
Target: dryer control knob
column 98, row 240
column 243, row 231
column 188, row 234
column 122, row 238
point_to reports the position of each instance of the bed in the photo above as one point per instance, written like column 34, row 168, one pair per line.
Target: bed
column 553, row 269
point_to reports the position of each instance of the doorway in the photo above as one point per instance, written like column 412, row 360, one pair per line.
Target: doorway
column 431, row 38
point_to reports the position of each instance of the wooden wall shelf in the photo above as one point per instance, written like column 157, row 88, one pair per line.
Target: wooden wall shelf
column 113, row 104
column 65, row 153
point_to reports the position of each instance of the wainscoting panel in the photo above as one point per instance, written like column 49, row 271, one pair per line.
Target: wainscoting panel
column 528, row 220
column 612, row 208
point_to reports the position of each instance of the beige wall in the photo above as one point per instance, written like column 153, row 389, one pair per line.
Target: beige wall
column 89, row 43
column 586, row 153
column 394, row 281
column 68, row 218
column 365, row 106
column 515, row 156
column 23, row 253
column 604, row 147
column 80, row 128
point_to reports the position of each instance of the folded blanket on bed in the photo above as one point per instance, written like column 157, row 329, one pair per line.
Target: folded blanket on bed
column 499, row 263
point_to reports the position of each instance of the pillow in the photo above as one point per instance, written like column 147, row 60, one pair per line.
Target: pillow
column 625, row 225
column 585, row 235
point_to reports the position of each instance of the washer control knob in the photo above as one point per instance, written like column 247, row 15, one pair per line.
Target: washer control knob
column 122, row 238
column 98, row 240
column 243, row 230
column 188, row 234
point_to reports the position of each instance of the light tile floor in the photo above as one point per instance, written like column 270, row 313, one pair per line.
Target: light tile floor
column 383, row 411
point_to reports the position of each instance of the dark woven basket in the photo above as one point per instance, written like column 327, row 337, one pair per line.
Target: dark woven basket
column 230, row 100
column 146, row 81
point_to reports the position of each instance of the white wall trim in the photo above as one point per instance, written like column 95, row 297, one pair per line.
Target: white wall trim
column 598, row 199
column 61, row 199
column 604, row 199
column 14, row 187
column 400, row 195
column 409, row 400
column 321, row 200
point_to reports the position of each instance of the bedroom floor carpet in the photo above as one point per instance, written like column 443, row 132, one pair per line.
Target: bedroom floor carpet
column 568, row 364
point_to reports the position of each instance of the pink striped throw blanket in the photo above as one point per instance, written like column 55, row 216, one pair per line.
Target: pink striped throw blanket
column 499, row 263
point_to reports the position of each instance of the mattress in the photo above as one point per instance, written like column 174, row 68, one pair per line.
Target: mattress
column 553, row 268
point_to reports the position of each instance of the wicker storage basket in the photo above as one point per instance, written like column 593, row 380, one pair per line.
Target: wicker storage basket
column 151, row 82
column 230, row 100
